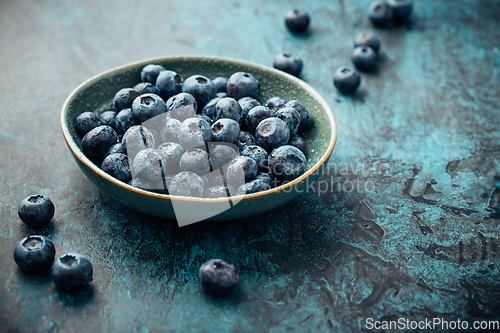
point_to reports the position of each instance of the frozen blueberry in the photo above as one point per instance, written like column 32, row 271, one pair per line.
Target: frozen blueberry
column 182, row 106
column 146, row 88
column 147, row 106
column 272, row 133
column 247, row 104
column 220, row 191
column 206, row 118
column 187, row 184
column 287, row 163
column 34, row 253
column 288, row 63
column 209, row 108
column 169, row 83
column 255, row 116
column 218, row 277
column 201, row 88
column 150, row 72
column 194, row 132
column 305, row 116
column 364, row 58
column 254, row 186
column 274, row 104
column 118, row 166
column 258, row 154
column 291, row 117
column 124, row 120
column 137, row 138
column 148, row 165
column 347, row 80
column 380, row 13
column 117, row 148
column 195, row 160
column 297, row 20
column 227, row 107
column 71, row 272
column 401, row 9
column 141, row 183
column 367, row 39
column 108, row 118
column 97, row 142
column 246, row 139
column 298, row 142
column 124, row 98
column 169, row 130
column 221, row 154
column 266, row 178
column 242, row 167
column 226, row 130
column 242, row 84
column 171, row 153
column 85, row 122
column 220, row 84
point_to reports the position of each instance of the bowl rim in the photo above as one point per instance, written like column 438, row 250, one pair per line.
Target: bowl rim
column 87, row 162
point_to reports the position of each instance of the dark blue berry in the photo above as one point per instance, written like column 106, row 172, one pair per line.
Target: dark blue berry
column 187, row 184
column 347, row 80
column 220, row 191
column 124, row 98
column 242, row 167
column 206, row 118
column 242, row 84
column 182, row 106
column 266, row 178
column 297, row 20
column 254, row 186
column 221, row 154
column 380, row 13
column 147, row 106
column 288, row 63
column 367, row 39
column 97, row 142
column 118, row 166
column 272, row 133
column 287, row 163
column 305, row 116
column 141, row 183
column 195, row 160
column 169, row 130
column 201, row 87
column 258, row 154
column 150, row 72
column 401, row 9
column 148, row 165
column 124, row 120
column 137, row 138
column 274, row 104
column 71, row 272
column 34, row 254
column 298, row 142
column 246, row 139
column 171, row 153
column 194, row 132
column 146, row 88
column 364, row 58
column 247, row 104
column 117, row 148
column 218, row 277
column 255, row 116
column 291, row 117
column 85, row 122
column 169, row 83
column 36, row 210
column 209, row 108
column 226, row 130
column 220, row 84
column 227, row 107
column 108, row 118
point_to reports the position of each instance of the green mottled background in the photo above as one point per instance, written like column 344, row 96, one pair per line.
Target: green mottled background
column 422, row 242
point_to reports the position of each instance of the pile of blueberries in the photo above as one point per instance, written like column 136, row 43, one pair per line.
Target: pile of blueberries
column 197, row 137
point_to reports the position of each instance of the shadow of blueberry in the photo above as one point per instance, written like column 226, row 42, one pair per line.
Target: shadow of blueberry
column 76, row 298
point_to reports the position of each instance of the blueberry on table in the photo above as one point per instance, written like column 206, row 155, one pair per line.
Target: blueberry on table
column 367, row 39
column 347, row 80
column 256, row 115
column 147, row 106
column 221, row 154
column 117, row 148
column 195, row 160
column 380, row 13
column 254, row 186
column 218, row 277
column 71, row 272
column 258, row 154
column 297, row 20
column 137, row 138
column 118, row 166
column 401, row 9
column 124, row 98
column 209, row 108
column 274, row 104
column 201, row 87
column 171, row 153
column 124, row 120
column 220, row 84
column 34, row 253
column 298, row 142
column 146, row 88
column 182, row 106
column 148, row 165
column 364, row 58
column 108, row 118
column 246, row 139
column 291, row 117
column 287, row 163
column 227, row 107
column 247, row 104
column 150, row 72
column 226, row 130
column 169, row 130
column 97, row 142
column 242, row 167
column 187, row 184
column 272, row 133
column 220, row 191
column 306, row 120
column 169, row 83
column 242, row 84
column 85, row 122
column 194, row 132
column 288, row 63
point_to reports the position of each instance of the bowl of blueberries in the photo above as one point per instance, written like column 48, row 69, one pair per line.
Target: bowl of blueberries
column 195, row 138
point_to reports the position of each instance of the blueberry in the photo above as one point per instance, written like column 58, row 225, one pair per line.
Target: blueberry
column 258, row 154
column 242, row 84
column 206, row 118
column 85, row 122
column 227, row 107
column 305, row 116
column 150, row 72
column 187, row 184
column 221, row 154
column 288, row 63
column 220, row 84
column 247, row 104
column 214, row 179
column 148, row 165
column 291, row 117
column 36, row 210
column 195, row 160
column 97, row 142
column 218, row 277
column 141, row 183
column 401, row 9
column 246, row 139
column 108, row 118
column 364, row 58
column 146, row 88
column 209, row 108
column 347, row 80
column 287, row 163
column 201, row 88
column 266, row 178
column 169, row 83
column 220, row 191
column 226, row 130
column 117, row 148
column 298, row 142
column 297, row 20
column 147, row 106
column 242, row 167
column 171, row 153
column 254, row 186
column 118, row 166
column 255, row 116
column 124, row 120
column 274, row 104
column 34, row 253
column 380, row 13
column 71, row 272
column 169, row 130
column 124, row 98
column 182, row 106
column 194, row 132
column 272, row 133
column 137, row 138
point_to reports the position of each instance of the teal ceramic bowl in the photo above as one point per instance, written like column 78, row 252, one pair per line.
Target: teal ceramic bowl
column 97, row 93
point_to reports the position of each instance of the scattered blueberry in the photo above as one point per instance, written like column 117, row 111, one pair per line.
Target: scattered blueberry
column 218, row 277
column 201, row 88
column 255, row 116
column 291, row 117
column 34, row 253
column 287, row 163
column 401, row 9
column 124, row 98
column 150, row 72
column 146, row 88
column 288, row 63
column 274, row 104
column 380, row 13
column 117, row 148
column 71, row 272
column 347, row 80
column 118, row 166
column 97, row 142
column 305, row 116
column 182, row 106
column 297, row 20
column 272, row 133
column 108, row 118
column 137, row 138
column 148, row 165
column 220, row 84
column 169, row 83
column 254, row 186
column 258, row 154
column 298, row 142
column 227, row 107
column 221, row 154
column 246, row 139
column 367, row 39
column 187, row 184
column 194, row 132
column 364, row 58
column 36, row 210
column 195, row 160
column 226, row 130
column 85, row 122
column 147, row 106
column 171, row 153
column 242, row 167
column 124, row 120
column 169, row 130
column 242, row 84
